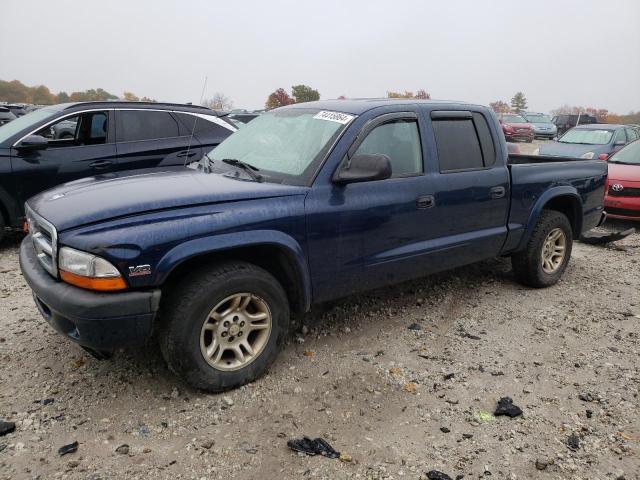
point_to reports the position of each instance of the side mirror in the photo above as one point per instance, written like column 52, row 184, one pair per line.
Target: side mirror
column 364, row 168
column 33, row 142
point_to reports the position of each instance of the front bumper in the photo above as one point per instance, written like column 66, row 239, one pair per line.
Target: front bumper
column 519, row 136
column 625, row 208
column 100, row 321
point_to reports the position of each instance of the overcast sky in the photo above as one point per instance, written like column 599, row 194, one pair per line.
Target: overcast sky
column 580, row 52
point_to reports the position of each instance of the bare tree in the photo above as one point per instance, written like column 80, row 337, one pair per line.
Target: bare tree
column 219, row 101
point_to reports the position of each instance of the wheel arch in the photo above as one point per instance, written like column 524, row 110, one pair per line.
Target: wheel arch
column 276, row 252
column 565, row 200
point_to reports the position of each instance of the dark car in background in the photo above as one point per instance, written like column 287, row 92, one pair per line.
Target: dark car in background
column 542, row 125
column 61, row 143
column 516, row 128
column 564, row 122
column 591, row 141
column 6, row 115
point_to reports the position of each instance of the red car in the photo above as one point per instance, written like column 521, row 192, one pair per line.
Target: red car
column 622, row 196
column 515, row 128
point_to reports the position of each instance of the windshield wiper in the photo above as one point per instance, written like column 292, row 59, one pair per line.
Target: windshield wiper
column 247, row 167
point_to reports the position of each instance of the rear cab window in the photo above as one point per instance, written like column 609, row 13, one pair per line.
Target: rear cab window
column 463, row 141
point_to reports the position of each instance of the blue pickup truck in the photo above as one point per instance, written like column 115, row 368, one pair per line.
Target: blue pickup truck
column 305, row 204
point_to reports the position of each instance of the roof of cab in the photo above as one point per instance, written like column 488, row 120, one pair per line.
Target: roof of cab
column 358, row 106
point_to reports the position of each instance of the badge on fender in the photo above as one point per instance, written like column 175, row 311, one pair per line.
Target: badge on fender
column 139, row 270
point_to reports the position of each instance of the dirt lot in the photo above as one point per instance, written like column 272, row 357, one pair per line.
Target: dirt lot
column 399, row 379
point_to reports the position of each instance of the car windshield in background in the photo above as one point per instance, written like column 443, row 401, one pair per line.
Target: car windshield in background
column 587, row 137
column 513, row 119
column 285, row 145
column 538, row 119
column 10, row 129
column 629, row 155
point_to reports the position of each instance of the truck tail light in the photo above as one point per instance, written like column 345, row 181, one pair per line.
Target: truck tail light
column 603, row 156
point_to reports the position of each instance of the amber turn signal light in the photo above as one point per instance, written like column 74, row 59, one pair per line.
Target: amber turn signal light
column 107, row 284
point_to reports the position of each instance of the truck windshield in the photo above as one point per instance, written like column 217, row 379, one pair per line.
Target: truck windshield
column 285, row 145
column 587, row 137
column 8, row 130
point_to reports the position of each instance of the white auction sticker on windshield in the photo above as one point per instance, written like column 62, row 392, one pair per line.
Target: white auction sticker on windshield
column 342, row 118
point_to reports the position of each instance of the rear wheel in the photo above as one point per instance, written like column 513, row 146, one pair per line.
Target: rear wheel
column 547, row 254
column 225, row 327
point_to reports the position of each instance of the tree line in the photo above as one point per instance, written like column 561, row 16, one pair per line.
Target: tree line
column 519, row 105
column 303, row 93
column 17, row 92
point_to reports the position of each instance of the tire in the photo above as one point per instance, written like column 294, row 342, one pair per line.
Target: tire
column 529, row 267
column 2, row 228
column 189, row 311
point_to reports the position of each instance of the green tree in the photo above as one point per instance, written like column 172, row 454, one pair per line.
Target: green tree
column 519, row 102
column 304, row 93
column 62, row 97
column 279, row 98
column 41, row 95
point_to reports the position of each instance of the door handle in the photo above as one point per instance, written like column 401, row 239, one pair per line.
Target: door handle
column 186, row 154
column 498, row 192
column 426, row 201
column 100, row 164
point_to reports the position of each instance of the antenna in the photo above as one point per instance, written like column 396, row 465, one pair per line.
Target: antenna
column 204, row 87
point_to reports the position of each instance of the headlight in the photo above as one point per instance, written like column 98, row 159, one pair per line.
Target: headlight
column 588, row 155
column 536, row 152
column 88, row 271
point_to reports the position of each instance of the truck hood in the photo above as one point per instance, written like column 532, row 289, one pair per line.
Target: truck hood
column 560, row 149
column 102, row 198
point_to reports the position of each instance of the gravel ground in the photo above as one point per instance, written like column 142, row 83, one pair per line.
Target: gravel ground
column 401, row 380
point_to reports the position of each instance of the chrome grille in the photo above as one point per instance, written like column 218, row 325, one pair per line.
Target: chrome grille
column 45, row 240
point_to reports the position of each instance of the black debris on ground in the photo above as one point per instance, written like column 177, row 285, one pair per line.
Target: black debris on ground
column 70, row 448
column 444, row 430
column 317, row 446
column 436, row 475
column 6, row 428
column 449, row 376
column 573, row 442
column 507, row 408
column 602, row 238
column 415, row 326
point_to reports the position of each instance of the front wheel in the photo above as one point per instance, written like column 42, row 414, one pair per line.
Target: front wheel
column 545, row 258
column 225, row 327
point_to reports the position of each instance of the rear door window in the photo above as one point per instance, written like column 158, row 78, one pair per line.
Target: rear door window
column 136, row 125
column 463, row 143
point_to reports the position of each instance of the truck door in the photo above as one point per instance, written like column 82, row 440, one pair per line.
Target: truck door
column 364, row 235
column 470, row 185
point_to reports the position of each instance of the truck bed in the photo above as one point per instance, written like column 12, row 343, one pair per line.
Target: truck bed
column 518, row 159
column 534, row 177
